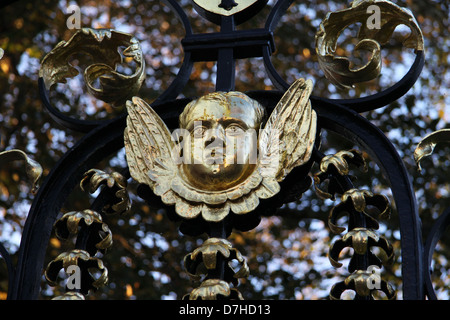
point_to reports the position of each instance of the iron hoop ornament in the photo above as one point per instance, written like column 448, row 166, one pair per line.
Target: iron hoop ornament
column 337, row 69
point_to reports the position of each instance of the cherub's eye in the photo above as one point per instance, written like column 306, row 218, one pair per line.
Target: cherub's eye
column 199, row 131
column 234, row 130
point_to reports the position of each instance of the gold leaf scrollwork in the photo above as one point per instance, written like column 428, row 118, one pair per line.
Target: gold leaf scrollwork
column 358, row 282
column 336, row 163
column 94, row 179
column 214, row 289
column 102, row 45
column 100, row 236
column 33, row 168
column 207, row 255
column 339, row 69
column 71, row 295
column 85, row 262
column 359, row 200
column 426, row 145
column 361, row 239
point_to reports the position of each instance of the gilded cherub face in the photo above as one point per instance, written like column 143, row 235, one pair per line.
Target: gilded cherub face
column 223, row 139
column 221, row 136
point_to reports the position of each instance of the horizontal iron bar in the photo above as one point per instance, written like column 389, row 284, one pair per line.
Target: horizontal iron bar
column 247, row 44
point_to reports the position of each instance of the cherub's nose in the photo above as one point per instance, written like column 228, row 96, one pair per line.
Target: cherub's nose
column 216, row 133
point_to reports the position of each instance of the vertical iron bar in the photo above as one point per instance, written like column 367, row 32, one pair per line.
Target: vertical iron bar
column 218, row 230
column 226, row 66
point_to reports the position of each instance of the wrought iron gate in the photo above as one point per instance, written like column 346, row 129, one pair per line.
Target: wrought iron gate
column 210, row 261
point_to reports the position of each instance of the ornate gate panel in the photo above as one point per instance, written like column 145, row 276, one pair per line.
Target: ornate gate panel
column 223, row 160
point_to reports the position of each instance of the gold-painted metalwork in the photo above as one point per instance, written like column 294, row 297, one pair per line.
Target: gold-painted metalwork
column 358, row 282
column 358, row 200
column 94, row 179
column 339, row 70
column 207, row 256
column 71, row 295
column 95, row 237
column 214, row 289
column 361, row 206
column 85, row 262
column 100, row 236
column 360, row 239
column 337, row 163
column 33, row 168
column 342, row 160
column 102, row 45
column 212, row 190
column 426, row 145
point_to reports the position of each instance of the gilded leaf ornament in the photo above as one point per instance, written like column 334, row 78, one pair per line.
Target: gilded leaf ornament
column 426, row 145
column 102, row 45
column 211, row 182
column 85, row 262
column 214, row 289
column 339, row 69
column 33, row 168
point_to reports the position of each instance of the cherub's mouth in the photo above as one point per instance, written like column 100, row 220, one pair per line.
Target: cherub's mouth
column 215, row 169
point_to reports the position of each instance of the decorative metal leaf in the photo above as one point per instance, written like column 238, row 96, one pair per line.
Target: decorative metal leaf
column 337, row 163
column 426, row 145
column 94, row 179
column 358, row 282
column 71, row 295
column 100, row 236
column 207, row 256
column 102, row 45
column 361, row 239
column 338, row 69
column 85, row 262
column 214, row 289
column 33, row 168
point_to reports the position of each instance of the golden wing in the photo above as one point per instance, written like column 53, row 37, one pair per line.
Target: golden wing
column 148, row 147
column 288, row 137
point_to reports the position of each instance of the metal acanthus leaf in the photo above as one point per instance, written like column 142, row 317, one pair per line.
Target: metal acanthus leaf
column 102, row 45
column 426, row 145
column 339, row 69
column 33, row 168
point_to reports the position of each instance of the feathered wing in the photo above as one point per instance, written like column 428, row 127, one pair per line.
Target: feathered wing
column 149, row 147
column 289, row 134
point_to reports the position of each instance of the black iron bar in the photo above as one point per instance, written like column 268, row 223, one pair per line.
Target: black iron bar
column 226, row 66
column 218, row 230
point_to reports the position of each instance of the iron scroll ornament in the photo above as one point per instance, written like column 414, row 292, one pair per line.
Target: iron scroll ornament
column 106, row 137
